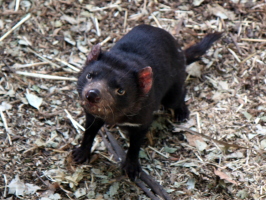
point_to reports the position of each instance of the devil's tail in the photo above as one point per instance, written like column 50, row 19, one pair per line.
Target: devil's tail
column 194, row 52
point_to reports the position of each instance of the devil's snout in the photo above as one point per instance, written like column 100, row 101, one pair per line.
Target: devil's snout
column 93, row 96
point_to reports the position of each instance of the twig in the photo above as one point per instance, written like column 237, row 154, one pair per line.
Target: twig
column 125, row 20
column 6, row 126
column 4, row 195
column 67, row 64
column 96, row 142
column 45, row 76
column 158, row 152
column 247, row 58
column 253, row 40
column 16, row 66
column 234, row 54
column 96, row 24
column 234, row 40
column 43, row 58
column 3, row 119
column 156, row 21
column 108, row 158
column 96, row 9
column 16, row 26
column 17, row 5
column 105, row 40
column 108, row 146
column 74, row 122
column 207, row 137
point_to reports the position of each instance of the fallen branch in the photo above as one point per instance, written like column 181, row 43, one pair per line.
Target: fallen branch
column 144, row 177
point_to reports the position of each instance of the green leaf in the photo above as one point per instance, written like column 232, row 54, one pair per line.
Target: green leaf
column 113, row 189
column 242, row 194
column 247, row 115
column 142, row 154
column 169, row 149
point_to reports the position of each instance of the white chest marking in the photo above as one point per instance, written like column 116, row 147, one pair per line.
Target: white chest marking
column 129, row 124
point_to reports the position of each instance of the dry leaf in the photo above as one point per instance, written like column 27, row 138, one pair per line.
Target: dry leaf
column 261, row 130
column 19, row 188
column 197, row 2
column 217, row 96
column 263, row 144
column 69, row 19
column 224, row 176
column 191, row 183
column 223, row 85
column 194, row 69
column 219, row 11
column 16, row 186
column 5, row 106
column 34, row 100
column 196, row 141
column 80, row 192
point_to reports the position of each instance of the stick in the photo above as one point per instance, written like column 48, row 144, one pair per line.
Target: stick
column 67, row 64
column 45, row 76
column 16, row 66
column 253, row 40
column 44, row 59
column 17, row 5
column 108, row 146
column 6, row 126
column 156, row 187
column 146, row 190
column 74, row 122
column 16, row 26
column 4, row 195
column 105, row 40
column 120, row 152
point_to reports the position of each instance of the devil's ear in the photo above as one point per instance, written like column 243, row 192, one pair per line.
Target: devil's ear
column 145, row 76
column 94, row 54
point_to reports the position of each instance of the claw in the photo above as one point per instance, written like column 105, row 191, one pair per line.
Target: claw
column 80, row 155
column 132, row 170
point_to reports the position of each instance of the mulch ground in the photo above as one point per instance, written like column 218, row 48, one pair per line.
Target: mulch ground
column 43, row 45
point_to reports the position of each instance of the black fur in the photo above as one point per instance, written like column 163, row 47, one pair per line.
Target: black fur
column 120, row 72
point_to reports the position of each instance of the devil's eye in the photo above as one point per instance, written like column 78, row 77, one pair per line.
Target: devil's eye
column 89, row 76
column 120, row 91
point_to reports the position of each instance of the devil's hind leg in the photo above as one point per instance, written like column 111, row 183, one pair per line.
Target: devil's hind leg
column 175, row 99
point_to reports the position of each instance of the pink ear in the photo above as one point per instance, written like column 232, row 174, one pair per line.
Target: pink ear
column 94, row 54
column 145, row 79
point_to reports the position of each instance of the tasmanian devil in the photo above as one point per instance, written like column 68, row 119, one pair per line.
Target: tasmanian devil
column 124, row 85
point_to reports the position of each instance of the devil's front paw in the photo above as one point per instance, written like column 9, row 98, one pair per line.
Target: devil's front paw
column 132, row 169
column 182, row 113
column 80, row 155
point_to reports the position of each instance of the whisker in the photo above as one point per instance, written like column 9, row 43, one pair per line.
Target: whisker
column 112, row 112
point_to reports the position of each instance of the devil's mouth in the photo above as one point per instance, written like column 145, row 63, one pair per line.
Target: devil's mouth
column 89, row 105
column 93, row 108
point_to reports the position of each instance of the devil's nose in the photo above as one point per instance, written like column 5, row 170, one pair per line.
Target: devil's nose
column 93, row 96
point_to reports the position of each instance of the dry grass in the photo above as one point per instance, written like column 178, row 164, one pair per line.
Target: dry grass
column 44, row 43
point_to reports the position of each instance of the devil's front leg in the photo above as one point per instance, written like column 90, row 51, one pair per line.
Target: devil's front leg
column 82, row 153
column 131, row 165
